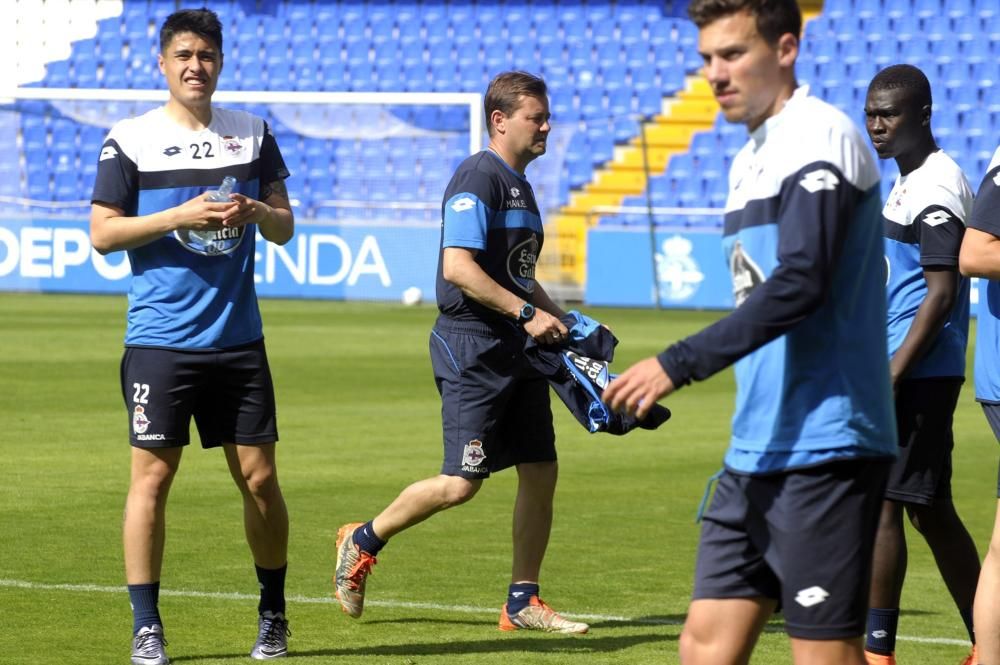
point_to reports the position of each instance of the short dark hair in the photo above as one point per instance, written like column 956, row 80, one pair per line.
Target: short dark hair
column 904, row 77
column 202, row 22
column 774, row 17
column 505, row 91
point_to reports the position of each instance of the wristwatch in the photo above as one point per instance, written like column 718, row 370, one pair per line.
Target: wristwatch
column 526, row 314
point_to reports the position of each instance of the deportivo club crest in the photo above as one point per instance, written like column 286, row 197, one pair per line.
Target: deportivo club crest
column 746, row 274
column 140, row 423
column 232, row 145
column 473, row 455
column 677, row 272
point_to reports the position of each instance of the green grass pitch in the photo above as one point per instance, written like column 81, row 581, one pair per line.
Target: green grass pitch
column 359, row 419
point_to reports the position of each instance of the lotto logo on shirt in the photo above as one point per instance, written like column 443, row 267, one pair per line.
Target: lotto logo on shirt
column 463, row 204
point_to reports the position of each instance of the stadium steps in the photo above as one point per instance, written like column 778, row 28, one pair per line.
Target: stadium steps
column 666, row 134
column 564, row 264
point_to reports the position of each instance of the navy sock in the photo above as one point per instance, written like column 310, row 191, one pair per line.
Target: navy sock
column 519, row 595
column 272, row 589
column 365, row 538
column 881, row 636
column 145, row 600
column 967, row 619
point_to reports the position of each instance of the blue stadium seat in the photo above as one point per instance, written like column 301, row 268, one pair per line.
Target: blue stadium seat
column 860, row 74
column 986, row 74
column 608, row 52
column 85, row 73
column 672, row 78
column 573, row 25
column 704, row 143
column 914, row 52
column 57, row 74
column 649, row 100
column 975, row 124
column 625, row 127
column 644, row 75
column 955, row 74
column 35, row 135
column 10, row 178
column 680, row 166
column 824, row 51
column 579, row 171
column 867, row 8
column 631, row 31
column 361, row 77
column 927, row 8
column 964, row 98
column 732, row 141
column 91, row 140
column 38, row 177
column 637, row 53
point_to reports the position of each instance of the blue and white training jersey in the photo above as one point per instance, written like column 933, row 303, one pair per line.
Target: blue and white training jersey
column 490, row 207
column 189, row 292
column 924, row 220
column 986, row 218
column 803, row 242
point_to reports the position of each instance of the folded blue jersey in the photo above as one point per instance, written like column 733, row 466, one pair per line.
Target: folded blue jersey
column 579, row 372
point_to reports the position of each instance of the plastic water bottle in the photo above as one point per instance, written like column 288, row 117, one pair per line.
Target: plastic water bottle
column 220, row 195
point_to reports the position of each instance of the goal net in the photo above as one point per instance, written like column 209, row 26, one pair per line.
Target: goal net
column 361, row 156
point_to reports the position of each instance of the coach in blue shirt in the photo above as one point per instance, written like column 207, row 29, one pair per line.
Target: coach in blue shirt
column 494, row 404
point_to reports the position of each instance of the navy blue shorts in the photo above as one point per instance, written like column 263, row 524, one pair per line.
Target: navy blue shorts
column 495, row 410
column 992, row 412
column 924, row 410
column 803, row 538
column 229, row 393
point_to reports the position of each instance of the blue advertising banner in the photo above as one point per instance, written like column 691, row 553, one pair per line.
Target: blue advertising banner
column 689, row 265
column 335, row 261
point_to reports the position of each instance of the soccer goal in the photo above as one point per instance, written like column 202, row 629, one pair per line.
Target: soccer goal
column 353, row 155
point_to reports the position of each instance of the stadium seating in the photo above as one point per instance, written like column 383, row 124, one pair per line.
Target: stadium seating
column 598, row 48
column 609, row 64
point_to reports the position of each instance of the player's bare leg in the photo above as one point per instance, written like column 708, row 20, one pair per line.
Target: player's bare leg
column 828, row 652
column 265, row 521
column 889, row 560
column 986, row 616
column 413, row 505
column 265, row 516
column 421, row 500
column 143, row 528
column 954, row 552
column 723, row 631
column 143, row 538
column 532, row 522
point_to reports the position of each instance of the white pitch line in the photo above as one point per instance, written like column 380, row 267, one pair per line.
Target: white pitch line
column 398, row 604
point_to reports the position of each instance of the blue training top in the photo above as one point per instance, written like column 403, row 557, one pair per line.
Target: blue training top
column 803, row 242
column 490, row 207
column 189, row 291
column 986, row 218
column 924, row 219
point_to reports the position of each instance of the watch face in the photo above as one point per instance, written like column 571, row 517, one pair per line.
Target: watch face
column 527, row 311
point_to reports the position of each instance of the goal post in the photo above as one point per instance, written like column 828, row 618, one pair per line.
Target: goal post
column 473, row 101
